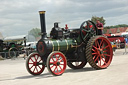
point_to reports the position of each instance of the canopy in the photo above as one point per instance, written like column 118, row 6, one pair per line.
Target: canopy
column 124, row 33
column 15, row 38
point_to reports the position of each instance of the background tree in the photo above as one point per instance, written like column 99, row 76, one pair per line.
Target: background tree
column 101, row 19
column 35, row 32
column 117, row 26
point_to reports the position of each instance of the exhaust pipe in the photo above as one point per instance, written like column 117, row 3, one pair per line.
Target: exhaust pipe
column 42, row 22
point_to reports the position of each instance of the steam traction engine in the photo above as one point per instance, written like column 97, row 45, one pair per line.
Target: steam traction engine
column 72, row 47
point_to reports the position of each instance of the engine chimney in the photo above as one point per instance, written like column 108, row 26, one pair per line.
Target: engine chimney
column 42, row 22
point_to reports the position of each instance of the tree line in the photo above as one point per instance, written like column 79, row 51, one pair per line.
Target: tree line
column 102, row 20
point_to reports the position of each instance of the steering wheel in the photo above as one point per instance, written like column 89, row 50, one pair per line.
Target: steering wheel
column 87, row 30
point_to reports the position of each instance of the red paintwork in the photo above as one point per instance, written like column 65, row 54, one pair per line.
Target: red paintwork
column 57, row 63
column 66, row 26
column 114, row 38
column 42, row 47
column 107, row 34
column 33, row 67
column 102, row 52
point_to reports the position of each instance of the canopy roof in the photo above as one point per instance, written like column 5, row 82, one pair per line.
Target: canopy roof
column 15, row 38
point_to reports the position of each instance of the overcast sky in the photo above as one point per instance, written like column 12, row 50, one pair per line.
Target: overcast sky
column 17, row 17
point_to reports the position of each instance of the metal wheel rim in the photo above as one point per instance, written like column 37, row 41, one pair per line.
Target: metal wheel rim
column 13, row 52
column 35, row 64
column 57, row 63
column 102, row 52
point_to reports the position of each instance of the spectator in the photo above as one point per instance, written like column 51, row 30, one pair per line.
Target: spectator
column 126, row 40
column 99, row 26
column 118, row 43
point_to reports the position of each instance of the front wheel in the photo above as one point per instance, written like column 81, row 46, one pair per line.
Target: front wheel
column 56, row 63
column 34, row 64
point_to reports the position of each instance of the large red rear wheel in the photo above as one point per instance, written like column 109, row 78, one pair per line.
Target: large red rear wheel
column 99, row 52
column 56, row 63
column 34, row 64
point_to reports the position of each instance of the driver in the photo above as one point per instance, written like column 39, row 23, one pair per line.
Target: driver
column 99, row 26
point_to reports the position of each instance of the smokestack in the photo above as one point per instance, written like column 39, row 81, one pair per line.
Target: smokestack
column 42, row 22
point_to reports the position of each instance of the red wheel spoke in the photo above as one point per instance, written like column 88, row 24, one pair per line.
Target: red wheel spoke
column 52, row 66
column 60, row 67
column 105, row 51
column 95, row 47
column 31, row 59
column 52, row 59
column 102, row 45
column 98, row 44
column 100, row 60
column 93, row 50
column 31, row 67
column 52, row 63
column 55, row 68
column 101, row 42
column 39, row 67
column 106, row 54
column 103, row 60
column 56, row 57
column 105, row 47
column 60, row 60
column 95, row 43
column 40, row 60
column 96, row 58
column 34, row 69
column 30, row 63
column 94, row 53
column 35, row 58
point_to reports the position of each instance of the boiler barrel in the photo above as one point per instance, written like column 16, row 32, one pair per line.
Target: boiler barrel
column 65, row 46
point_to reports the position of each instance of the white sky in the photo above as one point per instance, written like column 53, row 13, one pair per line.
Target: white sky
column 17, row 17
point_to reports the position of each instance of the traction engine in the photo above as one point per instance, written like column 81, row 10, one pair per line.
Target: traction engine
column 72, row 47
